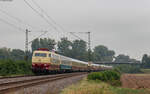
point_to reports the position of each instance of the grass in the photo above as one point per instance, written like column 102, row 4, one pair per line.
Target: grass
column 87, row 87
column 147, row 71
column 97, row 87
column 144, row 74
column 117, row 90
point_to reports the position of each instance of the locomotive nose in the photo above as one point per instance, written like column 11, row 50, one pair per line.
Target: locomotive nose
column 33, row 64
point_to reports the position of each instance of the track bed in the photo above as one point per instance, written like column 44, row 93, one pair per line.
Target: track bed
column 9, row 84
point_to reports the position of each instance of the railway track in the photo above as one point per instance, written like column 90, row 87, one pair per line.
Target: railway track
column 14, row 85
column 15, row 76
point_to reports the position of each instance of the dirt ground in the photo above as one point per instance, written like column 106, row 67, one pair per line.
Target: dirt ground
column 135, row 81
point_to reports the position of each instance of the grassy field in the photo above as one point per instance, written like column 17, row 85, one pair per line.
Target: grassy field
column 146, row 71
column 97, row 87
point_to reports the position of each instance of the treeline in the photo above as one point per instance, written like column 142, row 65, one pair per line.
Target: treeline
column 78, row 49
column 126, row 68
column 125, row 59
column 75, row 49
column 15, row 54
column 146, row 61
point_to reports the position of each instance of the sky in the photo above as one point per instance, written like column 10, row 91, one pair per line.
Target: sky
column 121, row 25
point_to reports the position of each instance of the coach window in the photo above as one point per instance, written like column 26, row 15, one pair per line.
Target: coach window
column 50, row 55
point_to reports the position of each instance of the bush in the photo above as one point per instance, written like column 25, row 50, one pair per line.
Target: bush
column 24, row 67
column 9, row 67
column 110, row 76
column 104, row 76
column 94, row 76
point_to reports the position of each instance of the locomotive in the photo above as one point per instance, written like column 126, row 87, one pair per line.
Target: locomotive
column 45, row 61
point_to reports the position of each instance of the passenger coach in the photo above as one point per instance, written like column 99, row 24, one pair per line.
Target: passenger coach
column 45, row 61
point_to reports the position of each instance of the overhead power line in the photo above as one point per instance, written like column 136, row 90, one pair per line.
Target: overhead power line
column 50, row 18
column 16, row 18
column 89, row 37
column 40, row 15
column 76, row 36
column 12, row 25
column 53, row 21
column 38, row 37
column 89, row 42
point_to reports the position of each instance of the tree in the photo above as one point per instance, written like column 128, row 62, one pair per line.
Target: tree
column 47, row 43
column 4, row 53
column 17, row 54
column 35, row 44
column 64, row 47
column 144, row 58
column 102, row 53
column 51, row 44
column 125, row 59
column 122, row 59
column 43, row 43
column 79, row 50
column 146, row 61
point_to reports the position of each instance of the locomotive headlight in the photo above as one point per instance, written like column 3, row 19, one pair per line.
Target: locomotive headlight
column 33, row 64
column 45, row 64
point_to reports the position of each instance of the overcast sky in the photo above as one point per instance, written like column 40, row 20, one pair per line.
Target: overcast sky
column 121, row 25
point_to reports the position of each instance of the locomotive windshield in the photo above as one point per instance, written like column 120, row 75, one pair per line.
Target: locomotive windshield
column 40, row 54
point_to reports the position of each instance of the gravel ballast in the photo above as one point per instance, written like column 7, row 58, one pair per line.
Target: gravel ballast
column 51, row 87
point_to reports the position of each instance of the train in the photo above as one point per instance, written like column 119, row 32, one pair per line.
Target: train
column 45, row 61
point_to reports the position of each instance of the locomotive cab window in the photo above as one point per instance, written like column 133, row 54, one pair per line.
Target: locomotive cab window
column 40, row 54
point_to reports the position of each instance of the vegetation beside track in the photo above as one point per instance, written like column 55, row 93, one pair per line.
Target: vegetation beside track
column 147, row 71
column 110, row 76
column 128, row 68
column 132, row 69
column 95, row 83
column 9, row 68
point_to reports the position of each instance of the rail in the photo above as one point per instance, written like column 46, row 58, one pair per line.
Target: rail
column 14, row 85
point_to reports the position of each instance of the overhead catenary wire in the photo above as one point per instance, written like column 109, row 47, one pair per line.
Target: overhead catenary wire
column 53, row 21
column 15, row 26
column 18, row 28
column 40, row 14
column 77, row 36
column 38, row 37
column 15, row 18
column 12, row 25
column 19, row 20
column 50, row 18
